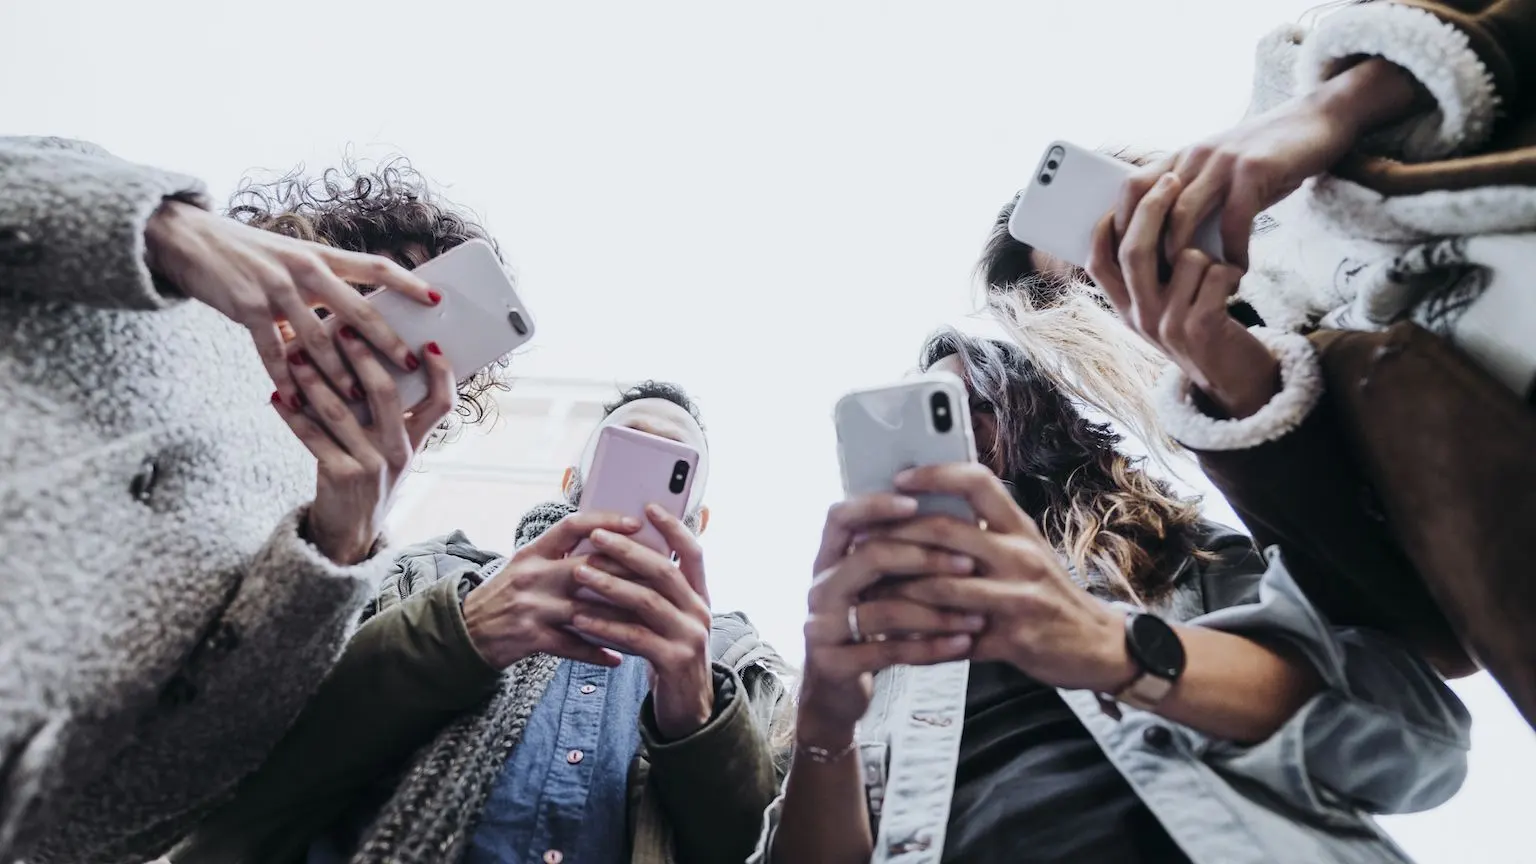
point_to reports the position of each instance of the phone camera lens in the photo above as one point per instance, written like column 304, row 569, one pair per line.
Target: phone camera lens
column 938, row 406
column 1052, row 164
column 1045, row 179
column 679, row 477
column 515, row 318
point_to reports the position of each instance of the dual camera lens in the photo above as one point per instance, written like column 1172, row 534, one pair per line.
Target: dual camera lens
column 679, row 477
column 943, row 415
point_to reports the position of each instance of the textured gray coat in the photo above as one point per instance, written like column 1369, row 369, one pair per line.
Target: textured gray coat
column 161, row 622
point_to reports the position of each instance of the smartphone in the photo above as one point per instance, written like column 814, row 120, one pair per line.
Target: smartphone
column 480, row 319
column 1072, row 190
column 631, row 469
column 925, row 420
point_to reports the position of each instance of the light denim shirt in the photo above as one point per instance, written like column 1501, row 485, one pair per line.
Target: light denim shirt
column 565, row 786
column 1385, row 735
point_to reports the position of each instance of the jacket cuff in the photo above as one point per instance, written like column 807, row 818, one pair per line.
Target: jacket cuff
column 1385, row 734
column 1439, row 55
column 713, row 741
column 462, row 667
column 1301, row 386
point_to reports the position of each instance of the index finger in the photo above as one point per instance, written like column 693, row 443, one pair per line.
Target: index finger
column 1136, row 187
column 564, row 536
column 683, row 543
column 847, row 518
column 360, row 268
column 978, row 486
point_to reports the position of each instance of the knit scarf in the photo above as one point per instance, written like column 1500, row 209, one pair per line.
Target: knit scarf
column 434, row 809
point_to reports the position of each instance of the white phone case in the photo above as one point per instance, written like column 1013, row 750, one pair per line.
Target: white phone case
column 886, row 430
column 1072, row 189
column 480, row 319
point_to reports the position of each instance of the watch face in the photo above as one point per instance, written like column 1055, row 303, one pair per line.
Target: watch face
column 1157, row 646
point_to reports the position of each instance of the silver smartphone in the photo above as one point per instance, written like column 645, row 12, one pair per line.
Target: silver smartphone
column 924, row 420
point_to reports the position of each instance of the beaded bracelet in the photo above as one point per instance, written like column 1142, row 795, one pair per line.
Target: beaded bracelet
column 823, row 756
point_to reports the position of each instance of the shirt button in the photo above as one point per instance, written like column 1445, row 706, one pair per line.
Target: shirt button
column 588, row 689
column 1157, row 737
column 575, row 756
column 554, row 856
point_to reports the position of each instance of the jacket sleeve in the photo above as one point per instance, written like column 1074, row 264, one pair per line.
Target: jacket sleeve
column 1289, row 473
column 1476, row 58
column 1385, row 734
column 715, row 783
column 406, row 673
column 72, row 220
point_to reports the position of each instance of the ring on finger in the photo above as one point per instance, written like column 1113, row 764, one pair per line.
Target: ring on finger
column 855, row 635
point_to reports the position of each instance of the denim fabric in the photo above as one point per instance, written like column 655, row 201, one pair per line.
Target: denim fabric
column 544, row 800
column 1385, row 735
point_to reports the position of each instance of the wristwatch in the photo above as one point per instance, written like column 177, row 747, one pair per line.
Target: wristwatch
column 1156, row 650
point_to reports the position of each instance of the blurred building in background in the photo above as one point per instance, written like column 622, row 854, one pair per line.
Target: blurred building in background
column 484, row 481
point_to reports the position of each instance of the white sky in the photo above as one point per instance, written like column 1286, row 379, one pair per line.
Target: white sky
column 771, row 205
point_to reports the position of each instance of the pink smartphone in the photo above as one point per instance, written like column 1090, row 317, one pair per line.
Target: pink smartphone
column 631, row 469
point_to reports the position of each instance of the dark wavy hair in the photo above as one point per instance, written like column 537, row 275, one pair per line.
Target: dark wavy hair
column 1096, row 505
column 391, row 210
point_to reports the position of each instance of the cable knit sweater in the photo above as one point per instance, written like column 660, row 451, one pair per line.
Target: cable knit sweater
column 161, row 620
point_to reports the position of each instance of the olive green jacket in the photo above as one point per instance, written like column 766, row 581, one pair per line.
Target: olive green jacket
column 411, row 670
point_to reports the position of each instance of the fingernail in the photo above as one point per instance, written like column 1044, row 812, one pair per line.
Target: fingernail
column 906, row 505
column 581, row 622
column 411, row 362
column 957, row 643
column 277, row 398
column 905, row 477
column 962, row 563
column 357, row 393
column 973, row 622
column 433, row 349
column 630, row 522
column 435, row 297
column 349, row 332
column 601, row 537
column 298, row 358
column 1166, row 180
column 584, row 573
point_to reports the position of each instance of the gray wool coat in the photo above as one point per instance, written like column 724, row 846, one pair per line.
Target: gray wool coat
column 161, row 621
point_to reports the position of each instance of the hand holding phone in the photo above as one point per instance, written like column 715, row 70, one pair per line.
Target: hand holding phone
column 1072, row 190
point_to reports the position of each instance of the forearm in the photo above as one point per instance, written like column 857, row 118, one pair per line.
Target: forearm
column 1236, row 689
column 825, row 816
column 1371, row 95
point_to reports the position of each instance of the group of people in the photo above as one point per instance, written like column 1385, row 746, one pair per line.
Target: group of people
column 209, row 651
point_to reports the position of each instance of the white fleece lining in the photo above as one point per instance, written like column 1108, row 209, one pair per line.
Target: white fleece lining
column 1301, row 386
column 1438, row 54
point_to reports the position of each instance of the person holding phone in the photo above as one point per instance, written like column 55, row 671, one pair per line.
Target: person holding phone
column 1142, row 685
column 1401, row 266
column 473, row 719
column 181, row 568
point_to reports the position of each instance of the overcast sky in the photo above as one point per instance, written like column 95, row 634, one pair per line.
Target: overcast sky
column 770, row 204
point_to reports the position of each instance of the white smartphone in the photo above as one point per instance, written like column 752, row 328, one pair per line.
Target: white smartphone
column 480, row 319
column 1072, row 190
column 631, row 469
column 924, row 420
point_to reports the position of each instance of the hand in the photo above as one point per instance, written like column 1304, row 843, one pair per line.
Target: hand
column 525, row 607
column 839, row 668
column 1037, row 619
column 360, row 467
column 1251, row 166
column 658, row 611
column 1187, row 317
column 260, row 280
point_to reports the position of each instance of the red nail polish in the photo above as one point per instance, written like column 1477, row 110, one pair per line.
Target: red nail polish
column 433, row 349
column 435, row 297
column 411, row 362
column 277, row 398
column 349, row 332
column 298, row 358
column 357, row 393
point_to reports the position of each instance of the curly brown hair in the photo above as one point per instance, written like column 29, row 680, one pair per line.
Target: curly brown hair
column 1096, row 505
column 390, row 210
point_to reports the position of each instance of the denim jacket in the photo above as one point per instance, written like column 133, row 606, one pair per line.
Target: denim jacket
column 1385, row 735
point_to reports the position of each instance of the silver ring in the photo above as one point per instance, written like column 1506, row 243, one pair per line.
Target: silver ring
column 853, row 623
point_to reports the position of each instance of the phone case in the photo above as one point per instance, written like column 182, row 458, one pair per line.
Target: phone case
column 885, row 430
column 480, row 319
column 1062, row 205
column 631, row 469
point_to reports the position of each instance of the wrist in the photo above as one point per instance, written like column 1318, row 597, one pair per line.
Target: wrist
column 1112, row 667
column 817, row 728
column 684, row 707
column 1247, row 375
column 1368, row 95
column 163, row 236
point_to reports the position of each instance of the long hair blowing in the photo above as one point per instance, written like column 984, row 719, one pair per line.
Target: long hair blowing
column 1096, row 505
